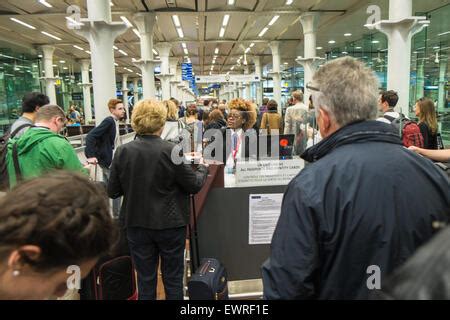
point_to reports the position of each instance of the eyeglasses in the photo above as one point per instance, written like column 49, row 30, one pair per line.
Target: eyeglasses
column 310, row 86
column 234, row 116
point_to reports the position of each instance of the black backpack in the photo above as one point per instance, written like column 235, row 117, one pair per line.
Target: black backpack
column 4, row 177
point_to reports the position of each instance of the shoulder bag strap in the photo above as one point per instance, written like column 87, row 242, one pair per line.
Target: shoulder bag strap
column 25, row 125
column 15, row 156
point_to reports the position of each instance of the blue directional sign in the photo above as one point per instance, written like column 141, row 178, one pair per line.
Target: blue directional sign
column 186, row 72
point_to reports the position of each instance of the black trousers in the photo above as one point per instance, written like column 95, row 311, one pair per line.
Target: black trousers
column 146, row 246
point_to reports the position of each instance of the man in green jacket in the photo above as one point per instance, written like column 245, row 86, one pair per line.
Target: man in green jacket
column 41, row 149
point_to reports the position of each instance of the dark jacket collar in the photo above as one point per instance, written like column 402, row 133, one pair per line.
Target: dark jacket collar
column 147, row 137
column 356, row 132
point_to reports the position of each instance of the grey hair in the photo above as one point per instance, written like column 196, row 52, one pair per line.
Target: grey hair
column 348, row 91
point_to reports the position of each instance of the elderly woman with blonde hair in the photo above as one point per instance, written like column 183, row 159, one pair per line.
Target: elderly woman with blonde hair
column 172, row 128
column 155, row 208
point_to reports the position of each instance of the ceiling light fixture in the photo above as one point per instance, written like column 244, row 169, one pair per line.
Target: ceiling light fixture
column 183, row 45
column 247, row 50
column 45, row 3
column 116, row 64
column 347, row 35
column 186, row 52
column 176, row 21
column 127, row 22
column 87, row 51
column 289, row 2
column 230, row 2
column 252, row 45
column 180, row 32
column 216, row 51
column 155, row 52
column 222, row 32
column 263, row 32
column 78, row 47
column 274, row 19
column 331, row 42
column 51, row 36
column 319, row 48
column 23, row 23
column 115, row 48
column 226, row 18
column 123, row 52
column 136, row 32
column 74, row 22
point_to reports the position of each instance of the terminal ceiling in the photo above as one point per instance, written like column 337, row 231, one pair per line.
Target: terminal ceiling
column 201, row 21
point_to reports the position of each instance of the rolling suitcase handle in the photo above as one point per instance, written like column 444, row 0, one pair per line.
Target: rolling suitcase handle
column 194, row 239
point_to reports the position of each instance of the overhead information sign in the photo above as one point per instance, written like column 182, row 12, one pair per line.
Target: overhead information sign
column 186, row 72
column 223, row 78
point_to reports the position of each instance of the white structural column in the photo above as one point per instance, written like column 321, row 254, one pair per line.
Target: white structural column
column 236, row 90
column 135, row 90
column 125, row 94
column 276, row 72
column 49, row 77
column 258, row 73
column 442, row 83
column 420, row 79
column 399, row 30
column 310, row 22
column 145, row 23
column 241, row 88
column 231, row 91
column 85, row 63
column 101, row 33
column 247, row 85
column 165, row 75
column 173, row 66
column 227, row 92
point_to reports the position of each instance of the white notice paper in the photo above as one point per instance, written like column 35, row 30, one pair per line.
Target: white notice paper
column 264, row 212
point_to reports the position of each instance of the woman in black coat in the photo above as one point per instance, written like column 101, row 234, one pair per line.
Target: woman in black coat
column 155, row 208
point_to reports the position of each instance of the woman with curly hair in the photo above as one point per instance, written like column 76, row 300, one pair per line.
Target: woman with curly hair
column 240, row 139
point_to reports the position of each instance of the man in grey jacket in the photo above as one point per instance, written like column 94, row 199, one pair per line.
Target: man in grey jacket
column 361, row 207
column 296, row 114
column 31, row 103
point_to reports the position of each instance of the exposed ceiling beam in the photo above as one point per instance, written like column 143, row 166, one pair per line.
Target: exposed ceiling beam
column 171, row 13
column 250, row 22
column 178, row 41
column 202, row 20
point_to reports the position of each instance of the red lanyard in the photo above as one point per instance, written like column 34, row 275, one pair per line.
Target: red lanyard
column 236, row 148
